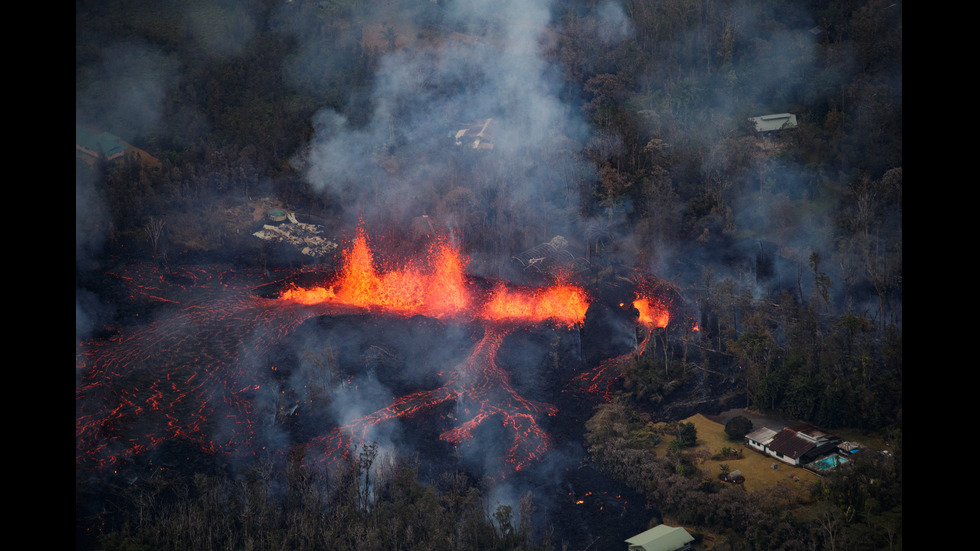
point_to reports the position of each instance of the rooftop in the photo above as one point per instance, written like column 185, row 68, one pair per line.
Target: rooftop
column 778, row 121
column 795, row 441
column 762, row 436
column 95, row 143
column 660, row 538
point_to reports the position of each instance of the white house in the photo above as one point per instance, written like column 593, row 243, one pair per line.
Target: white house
column 759, row 439
column 794, row 445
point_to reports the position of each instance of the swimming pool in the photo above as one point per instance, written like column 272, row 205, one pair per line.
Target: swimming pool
column 829, row 462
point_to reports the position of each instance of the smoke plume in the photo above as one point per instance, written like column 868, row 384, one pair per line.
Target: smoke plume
column 405, row 159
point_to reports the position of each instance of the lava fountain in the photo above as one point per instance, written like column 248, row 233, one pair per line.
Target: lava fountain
column 440, row 290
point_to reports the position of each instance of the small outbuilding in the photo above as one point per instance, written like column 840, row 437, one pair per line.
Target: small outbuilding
column 735, row 477
column 661, row 538
column 770, row 123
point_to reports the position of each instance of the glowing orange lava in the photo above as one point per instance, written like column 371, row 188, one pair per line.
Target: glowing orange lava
column 562, row 303
column 308, row 295
column 652, row 313
column 440, row 289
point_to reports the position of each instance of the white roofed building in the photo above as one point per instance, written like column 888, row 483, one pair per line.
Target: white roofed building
column 770, row 123
column 661, row 538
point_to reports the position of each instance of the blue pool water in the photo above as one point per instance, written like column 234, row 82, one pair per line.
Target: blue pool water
column 829, row 462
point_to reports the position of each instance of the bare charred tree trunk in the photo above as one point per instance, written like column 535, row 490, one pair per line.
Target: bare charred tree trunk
column 154, row 230
column 526, row 510
column 832, row 523
column 663, row 337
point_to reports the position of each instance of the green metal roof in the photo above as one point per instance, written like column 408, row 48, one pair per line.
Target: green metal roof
column 108, row 143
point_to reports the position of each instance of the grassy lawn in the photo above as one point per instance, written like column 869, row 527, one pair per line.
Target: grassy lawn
column 756, row 467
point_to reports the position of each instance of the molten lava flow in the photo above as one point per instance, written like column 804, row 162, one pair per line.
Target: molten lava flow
column 481, row 391
column 652, row 313
column 309, row 295
column 565, row 304
column 600, row 381
column 200, row 373
column 189, row 376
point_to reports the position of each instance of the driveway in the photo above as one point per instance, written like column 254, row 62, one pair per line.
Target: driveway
column 773, row 421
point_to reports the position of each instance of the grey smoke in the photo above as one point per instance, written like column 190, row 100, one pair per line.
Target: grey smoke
column 396, row 165
column 125, row 92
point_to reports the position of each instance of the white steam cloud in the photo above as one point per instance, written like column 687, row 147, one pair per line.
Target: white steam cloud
column 397, row 165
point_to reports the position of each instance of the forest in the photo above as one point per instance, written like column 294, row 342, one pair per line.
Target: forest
column 622, row 125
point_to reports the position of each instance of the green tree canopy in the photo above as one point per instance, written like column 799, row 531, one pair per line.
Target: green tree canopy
column 737, row 427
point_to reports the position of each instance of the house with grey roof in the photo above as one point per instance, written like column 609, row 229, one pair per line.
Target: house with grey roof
column 760, row 439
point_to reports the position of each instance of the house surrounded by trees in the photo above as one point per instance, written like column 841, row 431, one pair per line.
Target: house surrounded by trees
column 90, row 145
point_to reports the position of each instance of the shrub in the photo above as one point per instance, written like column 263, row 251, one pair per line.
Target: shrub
column 737, row 427
column 687, row 435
